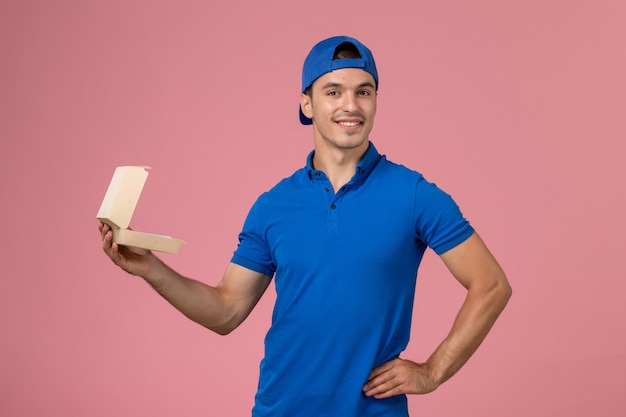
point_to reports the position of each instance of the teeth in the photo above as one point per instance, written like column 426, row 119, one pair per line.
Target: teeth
column 350, row 124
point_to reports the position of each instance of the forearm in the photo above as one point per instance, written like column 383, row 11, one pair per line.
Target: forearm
column 477, row 315
column 200, row 302
column 221, row 308
column 488, row 292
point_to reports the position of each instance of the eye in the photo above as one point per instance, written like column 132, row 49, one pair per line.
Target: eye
column 364, row 93
column 333, row 93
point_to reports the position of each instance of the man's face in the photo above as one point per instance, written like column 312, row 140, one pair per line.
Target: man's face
column 342, row 106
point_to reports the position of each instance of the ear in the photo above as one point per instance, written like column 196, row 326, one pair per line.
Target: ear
column 306, row 105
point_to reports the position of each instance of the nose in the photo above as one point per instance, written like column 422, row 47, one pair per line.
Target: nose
column 349, row 102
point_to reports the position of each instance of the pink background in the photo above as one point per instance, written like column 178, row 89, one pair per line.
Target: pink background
column 517, row 108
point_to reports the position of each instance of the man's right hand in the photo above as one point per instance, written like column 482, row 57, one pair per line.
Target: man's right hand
column 135, row 261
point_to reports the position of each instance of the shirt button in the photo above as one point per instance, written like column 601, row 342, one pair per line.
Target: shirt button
column 332, row 206
column 327, row 189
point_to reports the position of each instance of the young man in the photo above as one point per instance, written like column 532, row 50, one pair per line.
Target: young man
column 343, row 238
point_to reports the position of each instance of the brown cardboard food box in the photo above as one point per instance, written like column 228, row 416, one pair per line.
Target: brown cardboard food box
column 119, row 204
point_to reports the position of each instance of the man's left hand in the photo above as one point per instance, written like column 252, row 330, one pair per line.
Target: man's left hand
column 399, row 376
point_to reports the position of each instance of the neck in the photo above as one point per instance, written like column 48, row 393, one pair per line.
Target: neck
column 339, row 165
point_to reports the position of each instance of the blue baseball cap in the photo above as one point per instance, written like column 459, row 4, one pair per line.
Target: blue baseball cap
column 320, row 61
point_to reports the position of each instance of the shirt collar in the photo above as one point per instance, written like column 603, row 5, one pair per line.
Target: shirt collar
column 363, row 168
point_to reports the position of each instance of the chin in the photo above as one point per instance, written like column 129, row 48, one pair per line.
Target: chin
column 352, row 143
column 343, row 140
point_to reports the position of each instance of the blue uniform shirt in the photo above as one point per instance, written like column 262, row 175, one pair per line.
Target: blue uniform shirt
column 345, row 264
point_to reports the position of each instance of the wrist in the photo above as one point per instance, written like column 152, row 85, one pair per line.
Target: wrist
column 154, row 269
column 437, row 374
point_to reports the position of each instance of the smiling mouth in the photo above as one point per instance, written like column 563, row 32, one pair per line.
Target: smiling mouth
column 349, row 124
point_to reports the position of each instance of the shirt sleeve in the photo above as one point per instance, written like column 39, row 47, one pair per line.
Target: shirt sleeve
column 253, row 251
column 439, row 221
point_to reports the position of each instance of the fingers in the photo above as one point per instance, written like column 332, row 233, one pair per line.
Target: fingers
column 108, row 246
column 107, row 237
column 135, row 261
column 397, row 377
column 104, row 230
column 383, row 388
column 382, row 381
column 382, row 368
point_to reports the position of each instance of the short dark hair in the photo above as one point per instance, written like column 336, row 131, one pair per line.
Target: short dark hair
column 345, row 50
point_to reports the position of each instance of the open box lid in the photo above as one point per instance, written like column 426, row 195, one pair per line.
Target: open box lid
column 119, row 204
column 122, row 196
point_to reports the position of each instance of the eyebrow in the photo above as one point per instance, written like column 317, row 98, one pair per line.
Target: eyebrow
column 336, row 85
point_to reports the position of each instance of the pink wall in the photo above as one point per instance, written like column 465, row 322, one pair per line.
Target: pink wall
column 516, row 108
